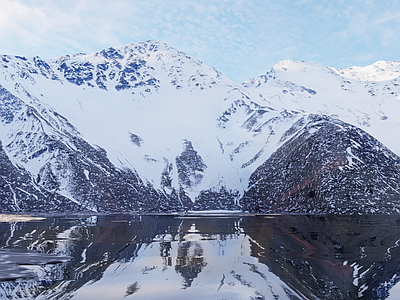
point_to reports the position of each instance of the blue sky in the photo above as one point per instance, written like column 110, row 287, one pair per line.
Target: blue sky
column 240, row 38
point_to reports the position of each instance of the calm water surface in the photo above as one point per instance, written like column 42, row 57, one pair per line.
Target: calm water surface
column 201, row 257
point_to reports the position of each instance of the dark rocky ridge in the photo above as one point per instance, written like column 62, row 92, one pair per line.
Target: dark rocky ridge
column 328, row 166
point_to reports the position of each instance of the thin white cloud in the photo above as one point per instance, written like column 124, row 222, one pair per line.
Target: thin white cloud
column 389, row 16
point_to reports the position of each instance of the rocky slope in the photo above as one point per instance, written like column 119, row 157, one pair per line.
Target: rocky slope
column 327, row 167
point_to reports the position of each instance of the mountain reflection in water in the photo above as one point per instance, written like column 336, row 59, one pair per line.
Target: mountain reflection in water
column 189, row 257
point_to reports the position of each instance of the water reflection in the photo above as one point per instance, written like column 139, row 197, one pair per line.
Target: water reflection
column 237, row 257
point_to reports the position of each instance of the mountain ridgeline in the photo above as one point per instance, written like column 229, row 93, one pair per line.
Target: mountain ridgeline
column 147, row 128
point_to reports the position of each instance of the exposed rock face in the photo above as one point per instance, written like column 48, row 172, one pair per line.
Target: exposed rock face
column 190, row 166
column 327, row 167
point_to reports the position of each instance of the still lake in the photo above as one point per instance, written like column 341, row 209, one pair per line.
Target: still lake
column 124, row 256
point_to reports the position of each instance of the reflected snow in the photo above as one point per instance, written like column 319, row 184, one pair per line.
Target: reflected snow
column 10, row 261
column 200, row 257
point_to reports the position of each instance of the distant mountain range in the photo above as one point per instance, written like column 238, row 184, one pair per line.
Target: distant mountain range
column 145, row 127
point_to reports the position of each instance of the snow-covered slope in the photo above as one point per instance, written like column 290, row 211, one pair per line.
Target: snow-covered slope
column 179, row 128
column 367, row 97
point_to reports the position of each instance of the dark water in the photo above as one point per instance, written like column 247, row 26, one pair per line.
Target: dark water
column 189, row 257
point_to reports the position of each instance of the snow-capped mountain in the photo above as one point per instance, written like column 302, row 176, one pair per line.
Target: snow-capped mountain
column 146, row 127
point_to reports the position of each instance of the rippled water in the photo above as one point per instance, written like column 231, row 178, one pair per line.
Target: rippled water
column 201, row 257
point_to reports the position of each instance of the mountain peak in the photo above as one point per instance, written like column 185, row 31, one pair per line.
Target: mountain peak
column 378, row 71
column 296, row 66
column 147, row 50
column 140, row 47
